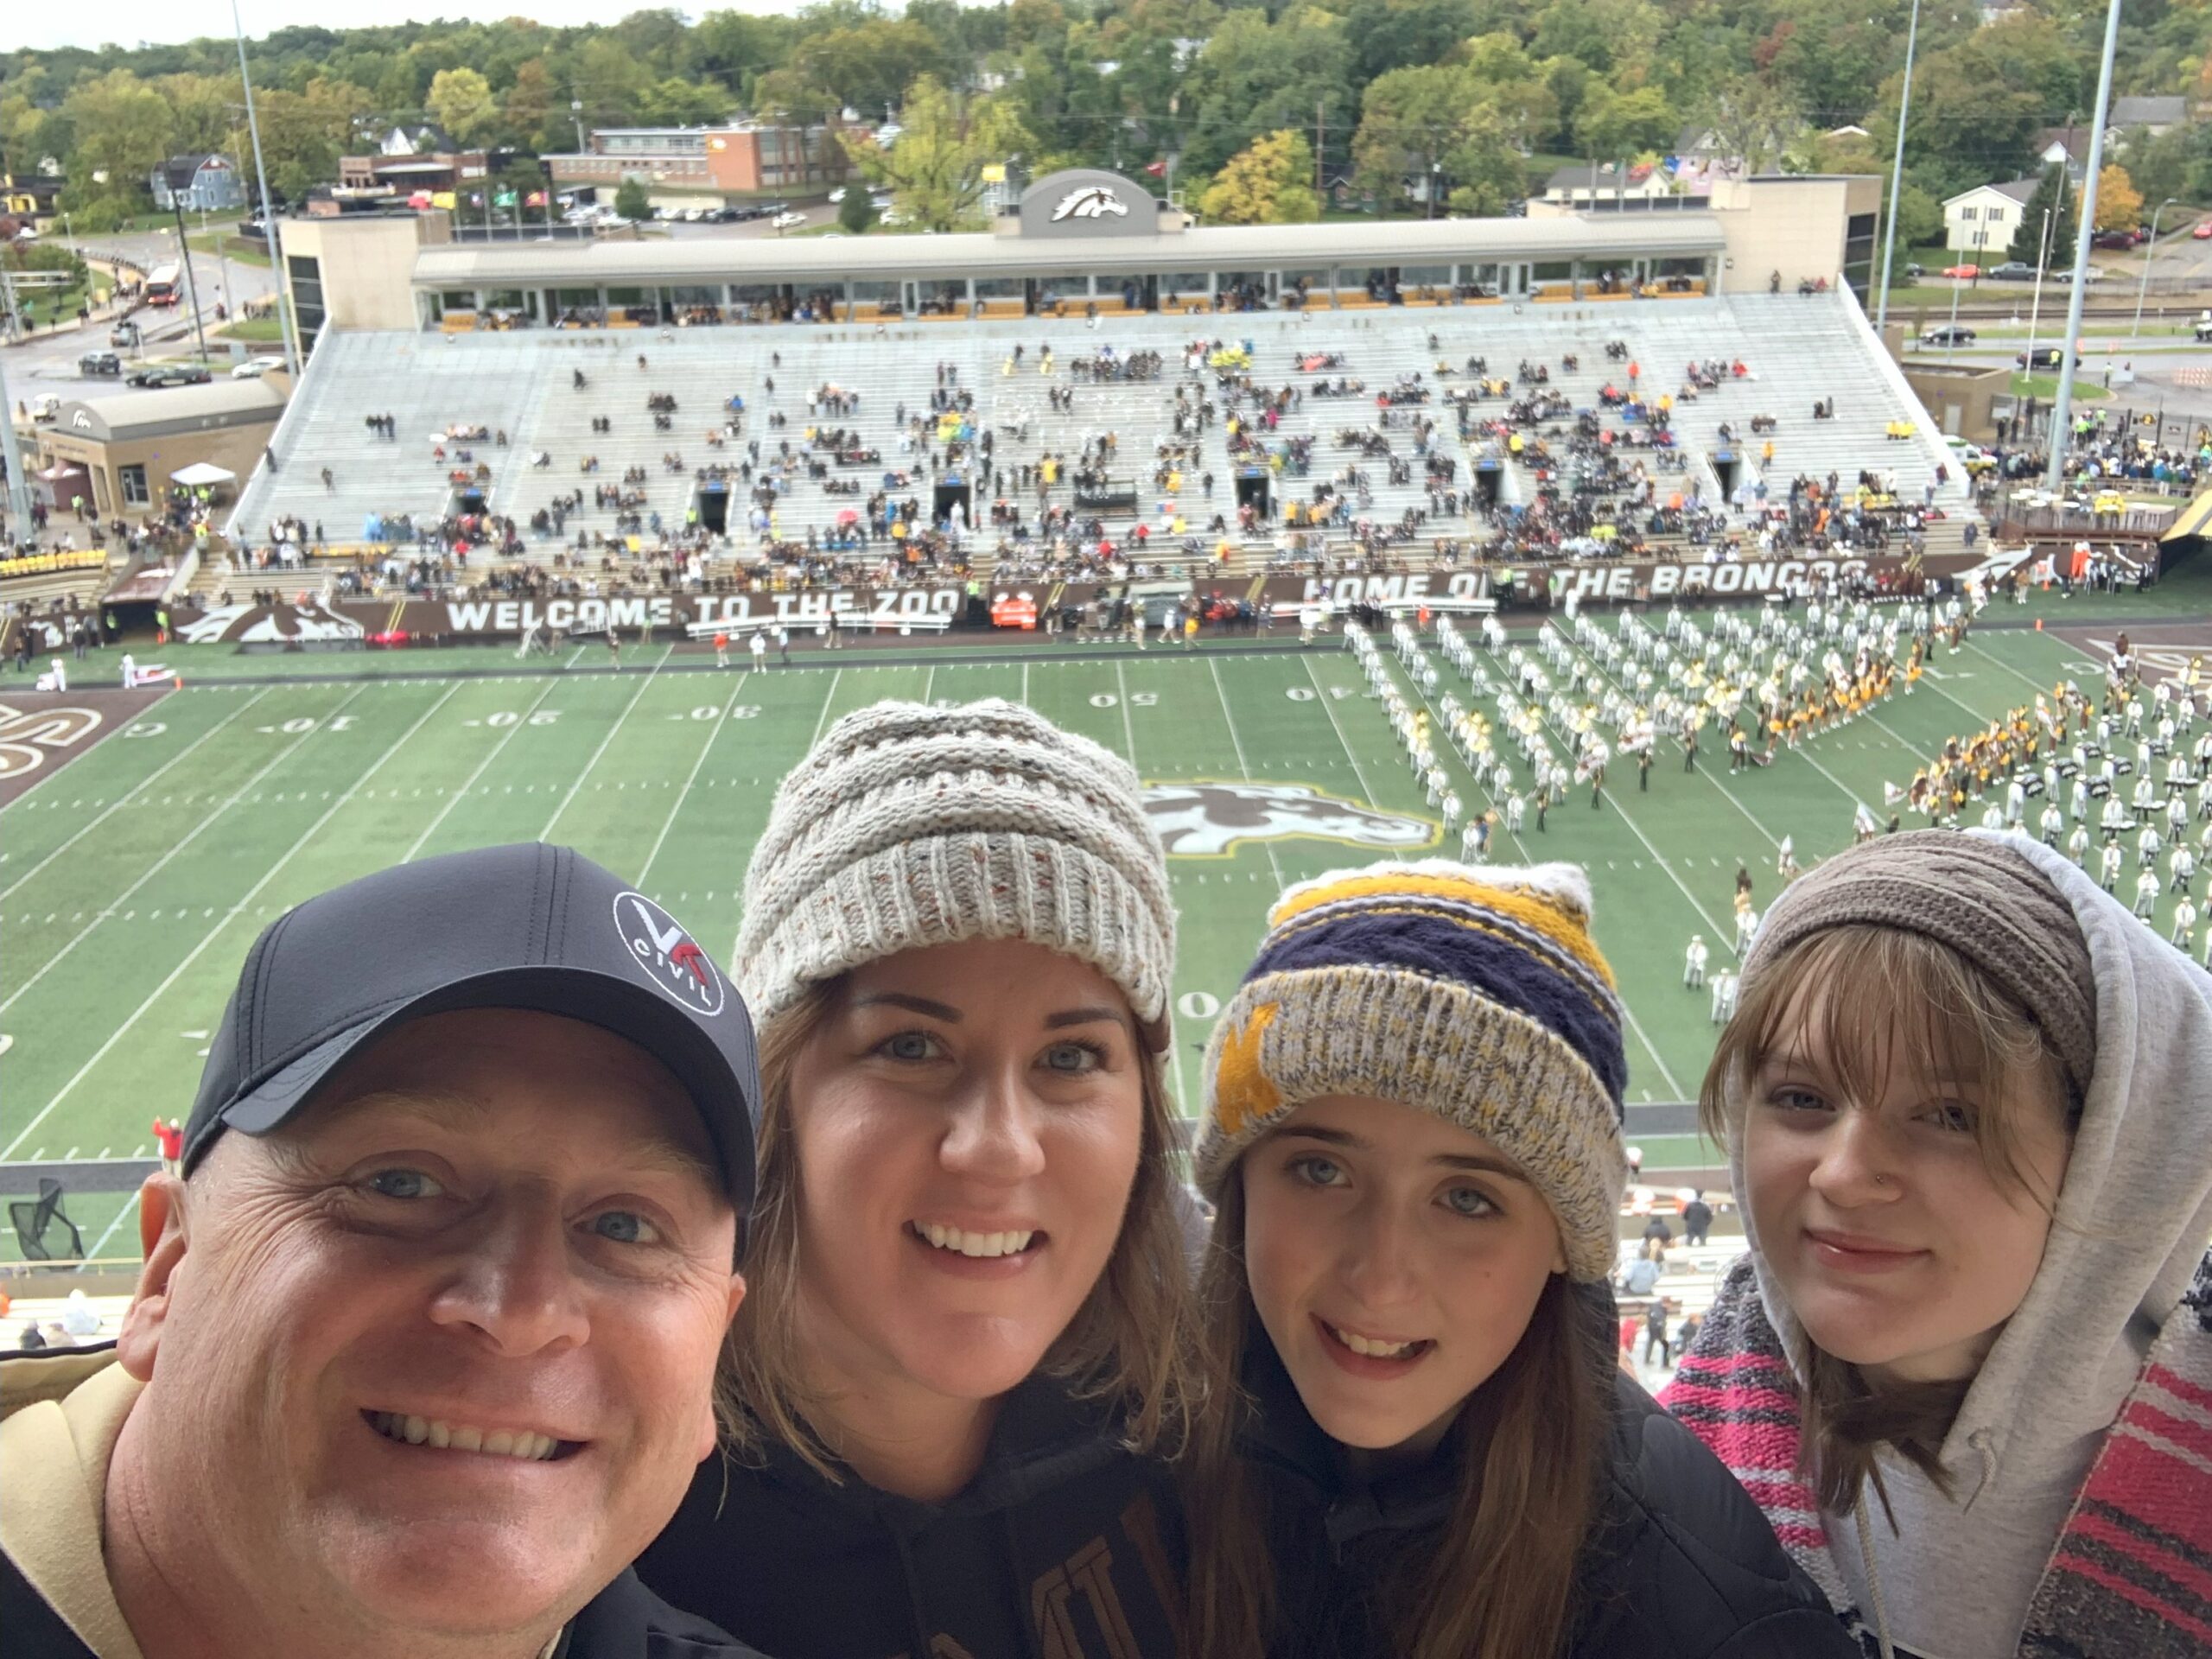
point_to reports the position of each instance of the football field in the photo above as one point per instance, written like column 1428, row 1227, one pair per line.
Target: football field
column 142, row 858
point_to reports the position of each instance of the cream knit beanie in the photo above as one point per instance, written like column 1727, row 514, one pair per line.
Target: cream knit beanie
column 909, row 825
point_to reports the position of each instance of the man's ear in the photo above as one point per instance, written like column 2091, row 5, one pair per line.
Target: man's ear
column 162, row 1232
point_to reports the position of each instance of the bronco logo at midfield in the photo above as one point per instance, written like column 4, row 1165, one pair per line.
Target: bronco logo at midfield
column 1206, row 820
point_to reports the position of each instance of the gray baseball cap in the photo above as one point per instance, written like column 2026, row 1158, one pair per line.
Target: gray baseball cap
column 525, row 926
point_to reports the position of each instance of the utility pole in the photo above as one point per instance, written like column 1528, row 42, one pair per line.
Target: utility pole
column 11, row 448
column 191, row 284
column 1897, row 170
column 286, row 330
column 2061, row 408
column 1320, row 150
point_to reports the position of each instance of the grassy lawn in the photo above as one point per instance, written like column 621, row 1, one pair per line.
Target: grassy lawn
column 2045, row 386
column 259, row 331
column 242, row 250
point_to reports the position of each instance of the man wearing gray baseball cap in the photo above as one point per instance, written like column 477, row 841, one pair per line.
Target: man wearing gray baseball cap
column 422, row 1352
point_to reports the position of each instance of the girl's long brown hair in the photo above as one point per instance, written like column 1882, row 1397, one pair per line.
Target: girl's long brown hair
column 1910, row 996
column 1130, row 1341
column 1530, row 1443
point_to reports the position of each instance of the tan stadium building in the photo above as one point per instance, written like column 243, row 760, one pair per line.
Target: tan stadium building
column 120, row 454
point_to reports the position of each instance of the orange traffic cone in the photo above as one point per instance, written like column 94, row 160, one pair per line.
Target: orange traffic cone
column 2038, row 625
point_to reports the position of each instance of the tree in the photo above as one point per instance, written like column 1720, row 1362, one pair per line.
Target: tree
column 2052, row 195
column 630, row 199
column 1269, row 181
column 122, row 128
column 2120, row 203
column 1257, row 76
column 528, row 105
column 461, row 101
column 1487, row 171
column 856, row 213
column 935, row 168
column 1612, row 124
column 1408, row 118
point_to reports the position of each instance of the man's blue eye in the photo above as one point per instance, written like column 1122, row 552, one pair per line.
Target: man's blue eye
column 404, row 1184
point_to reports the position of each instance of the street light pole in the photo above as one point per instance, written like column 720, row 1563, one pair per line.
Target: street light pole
column 2062, row 406
column 284, row 323
column 19, row 482
column 2035, row 309
column 1896, row 171
column 2149, row 248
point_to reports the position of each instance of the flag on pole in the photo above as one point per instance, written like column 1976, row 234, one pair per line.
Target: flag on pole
column 1158, row 169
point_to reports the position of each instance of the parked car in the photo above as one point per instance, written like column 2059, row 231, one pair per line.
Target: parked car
column 99, row 363
column 2044, row 357
column 892, row 216
column 2113, row 239
column 1947, row 333
column 169, row 374
column 124, row 333
column 1915, row 269
column 1963, row 273
column 254, row 367
column 2204, row 232
column 786, row 221
column 837, row 195
column 2091, row 275
column 2014, row 271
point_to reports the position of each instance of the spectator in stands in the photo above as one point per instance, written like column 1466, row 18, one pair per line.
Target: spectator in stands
column 79, row 1316
column 970, row 1312
column 1416, row 1441
column 422, row 1350
column 1697, row 1220
column 1938, row 1301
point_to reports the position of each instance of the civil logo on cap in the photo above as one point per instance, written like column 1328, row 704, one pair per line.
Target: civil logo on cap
column 665, row 954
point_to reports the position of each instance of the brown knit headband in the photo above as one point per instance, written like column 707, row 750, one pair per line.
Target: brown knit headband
column 1982, row 898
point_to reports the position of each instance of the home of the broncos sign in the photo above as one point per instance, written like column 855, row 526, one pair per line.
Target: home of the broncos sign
column 1211, row 820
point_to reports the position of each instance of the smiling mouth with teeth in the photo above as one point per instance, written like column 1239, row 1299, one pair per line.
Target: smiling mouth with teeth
column 1371, row 1348
column 980, row 1245
column 522, row 1445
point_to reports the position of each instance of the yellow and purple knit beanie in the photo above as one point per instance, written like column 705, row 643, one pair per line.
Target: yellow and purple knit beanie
column 1473, row 993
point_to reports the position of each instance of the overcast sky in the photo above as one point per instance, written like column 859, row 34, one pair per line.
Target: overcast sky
column 129, row 22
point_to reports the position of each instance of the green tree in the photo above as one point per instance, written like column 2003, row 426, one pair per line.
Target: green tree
column 1612, row 124
column 1408, row 118
column 856, row 214
column 630, row 199
column 1270, row 182
column 1257, row 75
column 1391, row 34
column 528, row 105
column 934, row 170
column 1486, row 171
column 2054, row 196
column 461, row 101
column 122, row 127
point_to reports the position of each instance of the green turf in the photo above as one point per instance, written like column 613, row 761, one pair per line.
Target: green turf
column 132, row 881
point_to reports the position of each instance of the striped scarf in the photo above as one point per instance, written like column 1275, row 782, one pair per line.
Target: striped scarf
column 2131, row 1577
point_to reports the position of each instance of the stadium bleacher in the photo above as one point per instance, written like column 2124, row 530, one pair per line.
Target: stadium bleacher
column 1795, row 350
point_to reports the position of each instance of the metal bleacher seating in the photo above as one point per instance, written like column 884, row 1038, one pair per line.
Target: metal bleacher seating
column 1796, row 349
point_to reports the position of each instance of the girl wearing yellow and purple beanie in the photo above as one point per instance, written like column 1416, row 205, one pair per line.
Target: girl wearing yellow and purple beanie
column 1419, row 1443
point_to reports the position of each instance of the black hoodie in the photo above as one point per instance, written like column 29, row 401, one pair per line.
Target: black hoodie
column 1065, row 1545
column 1680, row 1565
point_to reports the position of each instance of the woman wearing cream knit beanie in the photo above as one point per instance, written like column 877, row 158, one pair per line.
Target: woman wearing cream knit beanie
column 968, row 1321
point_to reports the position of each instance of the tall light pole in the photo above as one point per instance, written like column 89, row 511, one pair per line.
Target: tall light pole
column 285, row 328
column 2035, row 307
column 1896, row 169
column 19, row 482
column 2149, row 248
column 2061, row 407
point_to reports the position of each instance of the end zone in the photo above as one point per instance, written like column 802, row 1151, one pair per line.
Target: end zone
column 41, row 732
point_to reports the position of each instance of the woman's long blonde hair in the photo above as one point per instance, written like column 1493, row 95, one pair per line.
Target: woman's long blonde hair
column 1130, row 1341
column 1912, row 1001
column 1531, row 1446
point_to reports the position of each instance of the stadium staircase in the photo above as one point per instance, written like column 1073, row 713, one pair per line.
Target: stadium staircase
column 1796, row 349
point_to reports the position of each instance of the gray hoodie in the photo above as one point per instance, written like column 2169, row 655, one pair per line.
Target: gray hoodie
column 1954, row 1580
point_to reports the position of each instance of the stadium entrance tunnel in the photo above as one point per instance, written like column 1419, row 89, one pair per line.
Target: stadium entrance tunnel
column 468, row 501
column 1490, row 482
column 711, row 502
column 1727, row 468
column 946, row 496
column 1252, row 490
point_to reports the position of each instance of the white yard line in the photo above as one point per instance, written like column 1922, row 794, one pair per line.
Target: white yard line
column 237, row 909
column 1025, row 685
column 1174, row 1040
column 929, row 685
column 462, row 794
column 100, row 1243
column 142, row 785
column 123, row 898
column 1328, row 706
column 829, row 698
column 683, row 794
column 546, row 834
column 1213, row 667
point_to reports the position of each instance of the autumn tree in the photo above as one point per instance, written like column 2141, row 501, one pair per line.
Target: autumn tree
column 2120, row 203
column 1269, row 181
column 460, row 102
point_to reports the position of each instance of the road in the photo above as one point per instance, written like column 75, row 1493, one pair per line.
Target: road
column 48, row 361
